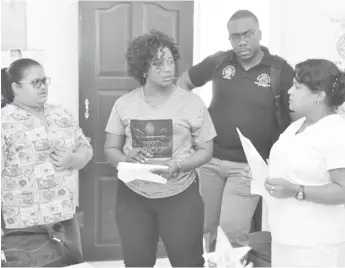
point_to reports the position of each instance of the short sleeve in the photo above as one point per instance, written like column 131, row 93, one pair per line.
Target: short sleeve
column 202, row 72
column 285, row 84
column 79, row 137
column 3, row 150
column 334, row 150
column 115, row 124
column 203, row 130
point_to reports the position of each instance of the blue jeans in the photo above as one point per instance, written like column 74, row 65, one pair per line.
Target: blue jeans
column 227, row 202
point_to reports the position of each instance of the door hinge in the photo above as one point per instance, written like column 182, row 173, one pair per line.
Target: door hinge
column 86, row 109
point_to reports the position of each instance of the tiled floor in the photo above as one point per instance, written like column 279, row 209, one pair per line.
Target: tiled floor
column 159, row 263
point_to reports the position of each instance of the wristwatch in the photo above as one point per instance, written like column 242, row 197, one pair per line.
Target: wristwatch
column 300, row 194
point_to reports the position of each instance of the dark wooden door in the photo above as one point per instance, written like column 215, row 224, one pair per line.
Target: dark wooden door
column 105, row 30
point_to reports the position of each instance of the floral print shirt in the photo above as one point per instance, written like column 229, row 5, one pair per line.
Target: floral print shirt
column 32, row 191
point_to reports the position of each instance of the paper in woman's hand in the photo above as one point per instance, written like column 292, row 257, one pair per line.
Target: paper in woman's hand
column 257, row 165
column 128, row 172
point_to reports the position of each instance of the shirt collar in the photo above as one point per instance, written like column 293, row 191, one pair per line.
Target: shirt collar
column 266, row 59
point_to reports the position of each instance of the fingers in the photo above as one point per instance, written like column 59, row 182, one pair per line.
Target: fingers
column 139, row 155
column 56, row 163
column 167, row 175
column 269, row 187
column 59, row 168
column 55, row 157
column 58, row 153
column 157, row 172
column 246, row 173
column 271, row 181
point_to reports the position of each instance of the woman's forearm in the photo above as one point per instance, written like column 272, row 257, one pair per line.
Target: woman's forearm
column 200, row 157
column 329, row 194
column 81, row 157
column 114, row 156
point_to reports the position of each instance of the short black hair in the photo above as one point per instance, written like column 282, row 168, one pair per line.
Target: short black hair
column 143, row 49
column 322, row 75
column 13, row 74
column 243, row 13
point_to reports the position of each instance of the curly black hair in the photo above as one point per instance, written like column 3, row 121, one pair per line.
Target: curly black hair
column 143, row 49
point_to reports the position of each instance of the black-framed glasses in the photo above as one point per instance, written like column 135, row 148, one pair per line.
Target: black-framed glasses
column 236, row 38
column 37, row 83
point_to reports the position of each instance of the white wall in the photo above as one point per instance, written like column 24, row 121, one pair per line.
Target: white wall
column 13, row 24
column 52, row 25
column 309, row 29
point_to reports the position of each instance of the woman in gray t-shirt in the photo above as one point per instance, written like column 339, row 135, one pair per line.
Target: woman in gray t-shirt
column 162, row 124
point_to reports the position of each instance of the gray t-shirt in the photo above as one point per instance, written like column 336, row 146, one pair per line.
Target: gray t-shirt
column 168, row 132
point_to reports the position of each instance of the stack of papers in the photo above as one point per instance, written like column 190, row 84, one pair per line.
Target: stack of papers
column 128, row 172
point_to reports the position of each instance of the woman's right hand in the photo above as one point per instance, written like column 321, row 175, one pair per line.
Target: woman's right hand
column 138, row 155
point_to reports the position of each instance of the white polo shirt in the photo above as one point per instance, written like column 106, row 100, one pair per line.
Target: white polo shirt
column 305, row 159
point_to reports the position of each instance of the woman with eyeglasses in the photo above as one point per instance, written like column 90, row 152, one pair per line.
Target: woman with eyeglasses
column 42, row 149
column 159, row 123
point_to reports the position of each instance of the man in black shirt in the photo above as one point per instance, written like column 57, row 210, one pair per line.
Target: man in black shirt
column 243, row 97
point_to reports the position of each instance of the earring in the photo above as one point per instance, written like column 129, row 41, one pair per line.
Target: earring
column 144, row 75
column 318, row 102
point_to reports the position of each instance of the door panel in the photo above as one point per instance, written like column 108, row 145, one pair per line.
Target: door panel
column 106, row 28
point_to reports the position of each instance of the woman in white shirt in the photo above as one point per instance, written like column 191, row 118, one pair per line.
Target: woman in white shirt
column 307, row 173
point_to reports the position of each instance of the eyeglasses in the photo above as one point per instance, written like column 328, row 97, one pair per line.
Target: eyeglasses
column 37, row 83
column 236, row 38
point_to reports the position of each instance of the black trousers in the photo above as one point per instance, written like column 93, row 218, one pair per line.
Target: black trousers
column 178, row 220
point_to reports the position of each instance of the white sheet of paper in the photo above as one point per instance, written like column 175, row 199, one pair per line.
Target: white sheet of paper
column 128, row 172
column 258, row 167
column 225, row 255
column 137, row 166
column 81, row 265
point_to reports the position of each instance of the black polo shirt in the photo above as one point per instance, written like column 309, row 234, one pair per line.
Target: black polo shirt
column 242, row 99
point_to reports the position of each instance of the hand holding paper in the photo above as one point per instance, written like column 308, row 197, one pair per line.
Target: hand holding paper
column 128, row 172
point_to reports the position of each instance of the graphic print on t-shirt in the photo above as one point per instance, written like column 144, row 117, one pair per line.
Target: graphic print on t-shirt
column 155, row 136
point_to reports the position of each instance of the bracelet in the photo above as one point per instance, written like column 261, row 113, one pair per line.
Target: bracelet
column 178, row 167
